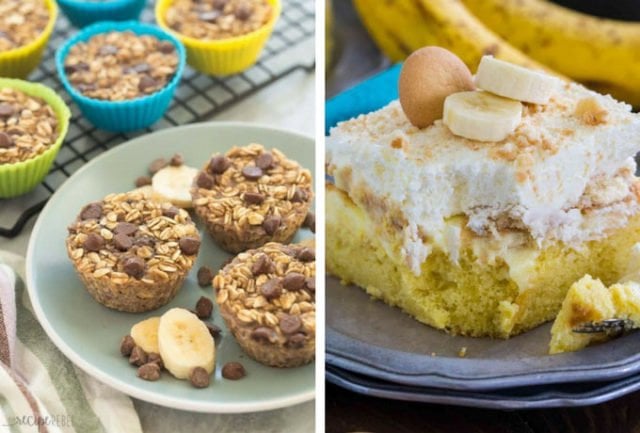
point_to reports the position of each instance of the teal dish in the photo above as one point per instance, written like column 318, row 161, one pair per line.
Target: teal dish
column 82, row 13
column 89, row 334
column 129, row 115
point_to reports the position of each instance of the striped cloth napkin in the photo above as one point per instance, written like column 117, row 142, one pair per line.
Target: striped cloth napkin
column 40, row 390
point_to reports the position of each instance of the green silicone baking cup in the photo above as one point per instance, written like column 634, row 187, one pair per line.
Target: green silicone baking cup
column 21, row 177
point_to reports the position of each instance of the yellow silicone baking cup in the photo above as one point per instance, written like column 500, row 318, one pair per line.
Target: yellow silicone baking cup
column 21, row 177
column 19, row 62
column 222, row 56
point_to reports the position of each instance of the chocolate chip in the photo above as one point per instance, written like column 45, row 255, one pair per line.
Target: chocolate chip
column 204, row 308
column 271, row 289
column 306, row 255
column 133, row 266
column 94, row 242
column 310, row 283
column 263, row 334
column 220, row 4
column 108, row 50
column 189, row 245
column 262, row 265
column 138, row 356
column 214, row 330
column 296, row 340
column 78, row 67
column 91, row 211
column 157, row 165
column 149, row 371
column 253, row 198
column 86, row 87
column 166, row 47
column 122, row 242
column 199, row 377
column 265, row 161
column 143, row 181
column 310, row 222
column 209, row 16
column 293, row 281
column 176, row 160
column 170, row 212
column 244, row 12
column 271, row 224
column 126, row 345
column 299, row 196
column 144, row 241
column 155, row 358
column 251, row 172
column 146, row 83
column 141, row 68
column 233, row 371
column 205, row 276
column 6, row 141
column 290, row 324
column 125, row 228
column 204, row 181
column 219, row 164
column 6, row 110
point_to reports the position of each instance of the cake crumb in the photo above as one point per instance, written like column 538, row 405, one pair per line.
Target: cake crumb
column 591, row 112
column 462, row 352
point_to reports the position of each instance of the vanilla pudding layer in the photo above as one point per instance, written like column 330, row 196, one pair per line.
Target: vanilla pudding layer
column 556, row 178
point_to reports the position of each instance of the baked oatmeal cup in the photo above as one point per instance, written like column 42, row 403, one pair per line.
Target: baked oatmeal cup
column 25, row 28
column 267, row 299
column 251, row 196
column 122, row 75
column 222, row 37
column 132, row 253
column 33, row 124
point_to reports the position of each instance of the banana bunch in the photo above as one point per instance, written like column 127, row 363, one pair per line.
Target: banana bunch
column 603, row 54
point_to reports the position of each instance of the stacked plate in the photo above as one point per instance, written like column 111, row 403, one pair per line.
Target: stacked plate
column 378, row 350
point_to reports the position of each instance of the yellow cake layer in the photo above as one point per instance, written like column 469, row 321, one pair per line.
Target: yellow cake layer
column 512, row 292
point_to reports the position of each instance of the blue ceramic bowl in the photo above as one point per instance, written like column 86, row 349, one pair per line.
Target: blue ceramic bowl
column 81, row 13
column 132, row 114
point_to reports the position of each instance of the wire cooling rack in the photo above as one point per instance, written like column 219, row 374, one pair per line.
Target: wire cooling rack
column 290, row 49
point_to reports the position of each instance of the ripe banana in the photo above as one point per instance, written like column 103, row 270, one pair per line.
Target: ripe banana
column 588, row 49
column 185, row 343
column 482, row 116
column 401, row 26
column 145, row 334
column 174, row 184
column 515, row 82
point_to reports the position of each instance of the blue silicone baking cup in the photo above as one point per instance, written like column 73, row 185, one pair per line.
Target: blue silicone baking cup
column 82, row 13
column 132, row 114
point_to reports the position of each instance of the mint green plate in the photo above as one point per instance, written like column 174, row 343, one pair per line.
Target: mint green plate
column 89, row 334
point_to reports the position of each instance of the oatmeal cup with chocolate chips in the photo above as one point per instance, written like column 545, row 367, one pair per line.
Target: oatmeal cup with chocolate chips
column 251, row 196
column 267, row 299
column 132, row 253
column 21, row 22
column 121, row 65
column 218, row 19
column 28, row 126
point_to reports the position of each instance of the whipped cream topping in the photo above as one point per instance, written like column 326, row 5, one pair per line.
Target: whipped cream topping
column 544, row 178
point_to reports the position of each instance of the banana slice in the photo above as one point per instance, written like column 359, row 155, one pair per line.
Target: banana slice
column 145, row 334
column 185, row 343
column 481, row 115
column 174, row 184
column 515, row 82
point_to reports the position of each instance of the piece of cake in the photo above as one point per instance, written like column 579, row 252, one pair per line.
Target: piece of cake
column 587, row 301
column 484, row 238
